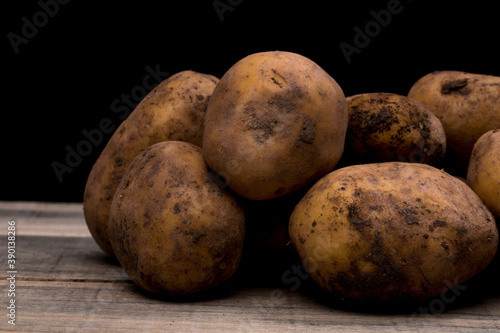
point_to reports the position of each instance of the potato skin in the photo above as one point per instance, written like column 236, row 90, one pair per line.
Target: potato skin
column 174, row 230
column 276, row 122
column 392, row 232
column 387, row 127
column 468, row 105
column 174, row 110
column 483, row 174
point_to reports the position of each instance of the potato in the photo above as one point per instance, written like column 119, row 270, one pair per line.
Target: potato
column 392, row 232
column 468, row 106
column 483, row 174
column 174, row 110
column 389, row 127
column 174, row 230
column 276, row 122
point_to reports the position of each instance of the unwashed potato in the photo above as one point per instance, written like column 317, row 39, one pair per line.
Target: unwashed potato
column 276, row 122
column 468, row 106
column 174, row 230
column 392, row 232
column 387, row 127
column 483, row 175
column 174, row 110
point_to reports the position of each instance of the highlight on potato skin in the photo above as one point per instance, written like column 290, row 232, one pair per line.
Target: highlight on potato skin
column 174, row 110
column 392, row 232
column 275, row 123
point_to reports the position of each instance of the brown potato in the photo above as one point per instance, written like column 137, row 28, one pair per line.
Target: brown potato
column 276, row 122
column 174, row 110
column 468, row 106
column 174, row 230
column 387, row 127
column 483, row 175
column 392, row 232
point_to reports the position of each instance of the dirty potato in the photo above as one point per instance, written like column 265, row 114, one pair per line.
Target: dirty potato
column 174, row 110
column 483, row 174
column 392, row 232
column 389, row 127
column 174, row 230
column 468, row 105
column 276, row 122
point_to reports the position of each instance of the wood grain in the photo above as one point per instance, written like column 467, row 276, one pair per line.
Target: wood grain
column 65, row 283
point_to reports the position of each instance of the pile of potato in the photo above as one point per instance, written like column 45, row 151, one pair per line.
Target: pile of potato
column 274, row 157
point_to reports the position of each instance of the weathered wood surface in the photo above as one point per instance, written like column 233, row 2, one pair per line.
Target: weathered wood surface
column 65, row 283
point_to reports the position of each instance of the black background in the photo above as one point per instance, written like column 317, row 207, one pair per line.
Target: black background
column 64, row 79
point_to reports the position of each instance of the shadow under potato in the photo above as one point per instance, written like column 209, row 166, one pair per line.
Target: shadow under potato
column 110, row 260
column 464, row 295
column 269, row 261
column 221, row 291
column 268, row 252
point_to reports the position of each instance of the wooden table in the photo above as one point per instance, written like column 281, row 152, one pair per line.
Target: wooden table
column 65, row 283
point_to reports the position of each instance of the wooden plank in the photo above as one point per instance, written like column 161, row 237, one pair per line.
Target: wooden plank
column 64, row 258
column 81, row 306
column 45, row 219
column 53, row 243
column 65, row 283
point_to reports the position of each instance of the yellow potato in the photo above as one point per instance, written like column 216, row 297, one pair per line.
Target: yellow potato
column 174, row 110
column 387, row 127
column 392, row 232
column 275, row 123
column 483, row 175
column 174, row 230
column 468, row 105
